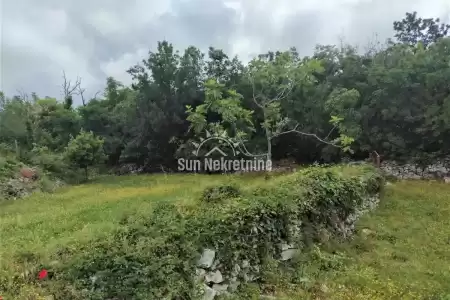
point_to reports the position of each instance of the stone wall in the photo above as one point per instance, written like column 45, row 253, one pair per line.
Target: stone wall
column 438, row 170
column 215, row 280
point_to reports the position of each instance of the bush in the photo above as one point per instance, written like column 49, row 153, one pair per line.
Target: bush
column 219, row 193
column 8, row 167
column 48, row 161
column 154, row 257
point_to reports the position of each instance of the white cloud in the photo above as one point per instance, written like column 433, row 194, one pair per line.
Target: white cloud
column 117, row 68
column 95, row 39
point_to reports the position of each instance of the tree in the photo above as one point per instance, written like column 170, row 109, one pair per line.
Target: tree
column 15, row 122
column 69, row 90
column 54, row 124
column 111, row 118
column 164, row 84
column 411, row 30
column 273, row 78
column 85, row 150
column 221, row 114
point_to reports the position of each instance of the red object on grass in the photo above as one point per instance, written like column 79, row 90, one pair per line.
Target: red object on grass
column 42, row 274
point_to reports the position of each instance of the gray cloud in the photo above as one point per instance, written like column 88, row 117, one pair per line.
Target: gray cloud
column 95, row 39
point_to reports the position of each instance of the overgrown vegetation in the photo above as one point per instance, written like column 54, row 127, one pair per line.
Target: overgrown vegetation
column 397, row 253
column 154, row 255
column 219, row 193
column 138, row 237
column 322, row 107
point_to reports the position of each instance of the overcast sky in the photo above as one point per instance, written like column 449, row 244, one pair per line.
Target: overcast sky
column 94, row 39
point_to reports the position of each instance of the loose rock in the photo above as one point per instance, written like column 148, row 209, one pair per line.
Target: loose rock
column 209, row 293
column 207, row 258
column 245, row 264
column 288, row 254
column 220, row 288
column 200, row 274
column 215, row 277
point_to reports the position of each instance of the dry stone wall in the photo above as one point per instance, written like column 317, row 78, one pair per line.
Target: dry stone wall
column 214, row 280
column 437, row 170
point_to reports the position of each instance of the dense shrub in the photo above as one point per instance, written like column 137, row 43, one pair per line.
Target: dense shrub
column 154, row 258
column 8, row 167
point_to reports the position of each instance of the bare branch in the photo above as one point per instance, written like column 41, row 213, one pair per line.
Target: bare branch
column 284, row 93
column 96, row 94
column 253, row 91
column 68, row 88
column 80, row 92
column 329, row 133
column 308, row 134
column 23, row 96
column 245, row 150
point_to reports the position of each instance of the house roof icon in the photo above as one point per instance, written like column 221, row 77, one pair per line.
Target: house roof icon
column 216, row 149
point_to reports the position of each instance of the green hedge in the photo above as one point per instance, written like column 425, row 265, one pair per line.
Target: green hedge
column 156, row 258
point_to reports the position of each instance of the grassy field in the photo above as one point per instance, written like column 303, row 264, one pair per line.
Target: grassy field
column 43, row 222
column 401, row 251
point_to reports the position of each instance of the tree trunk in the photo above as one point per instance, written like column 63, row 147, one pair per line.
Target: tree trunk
column 17, row 148
column 86, row 173
column 268, row 162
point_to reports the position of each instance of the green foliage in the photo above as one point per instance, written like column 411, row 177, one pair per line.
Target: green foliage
column 154, row 256
column 47, row 160
column 413, row 30
column 9, row 166
column 234, row 119
column 54, row 124
column 85, row 150
column 339, row 102
column 219, row 193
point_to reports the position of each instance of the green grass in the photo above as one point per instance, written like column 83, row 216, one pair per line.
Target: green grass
column 42, row 223
column 401, row 251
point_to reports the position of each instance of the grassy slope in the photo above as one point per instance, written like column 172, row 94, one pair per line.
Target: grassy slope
column 42, row 223
column 407, row 249
column 401, row 251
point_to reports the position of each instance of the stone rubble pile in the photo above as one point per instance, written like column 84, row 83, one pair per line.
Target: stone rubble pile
column 438, row 170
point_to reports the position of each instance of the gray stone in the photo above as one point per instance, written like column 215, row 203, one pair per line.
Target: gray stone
column 447, row 179
column 207, row 258
column 248, row 277
column 215, row 277
column 285, row 246
column 209, row 294
column 288, row 254
column 245, row 264
column 94, row 279
column 236, row 270
column 215, row 265
column 200, row 274
column 233, row 285
column 220, row 288
column 255, row 269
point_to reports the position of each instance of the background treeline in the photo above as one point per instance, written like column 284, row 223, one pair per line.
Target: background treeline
column 392, row 97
